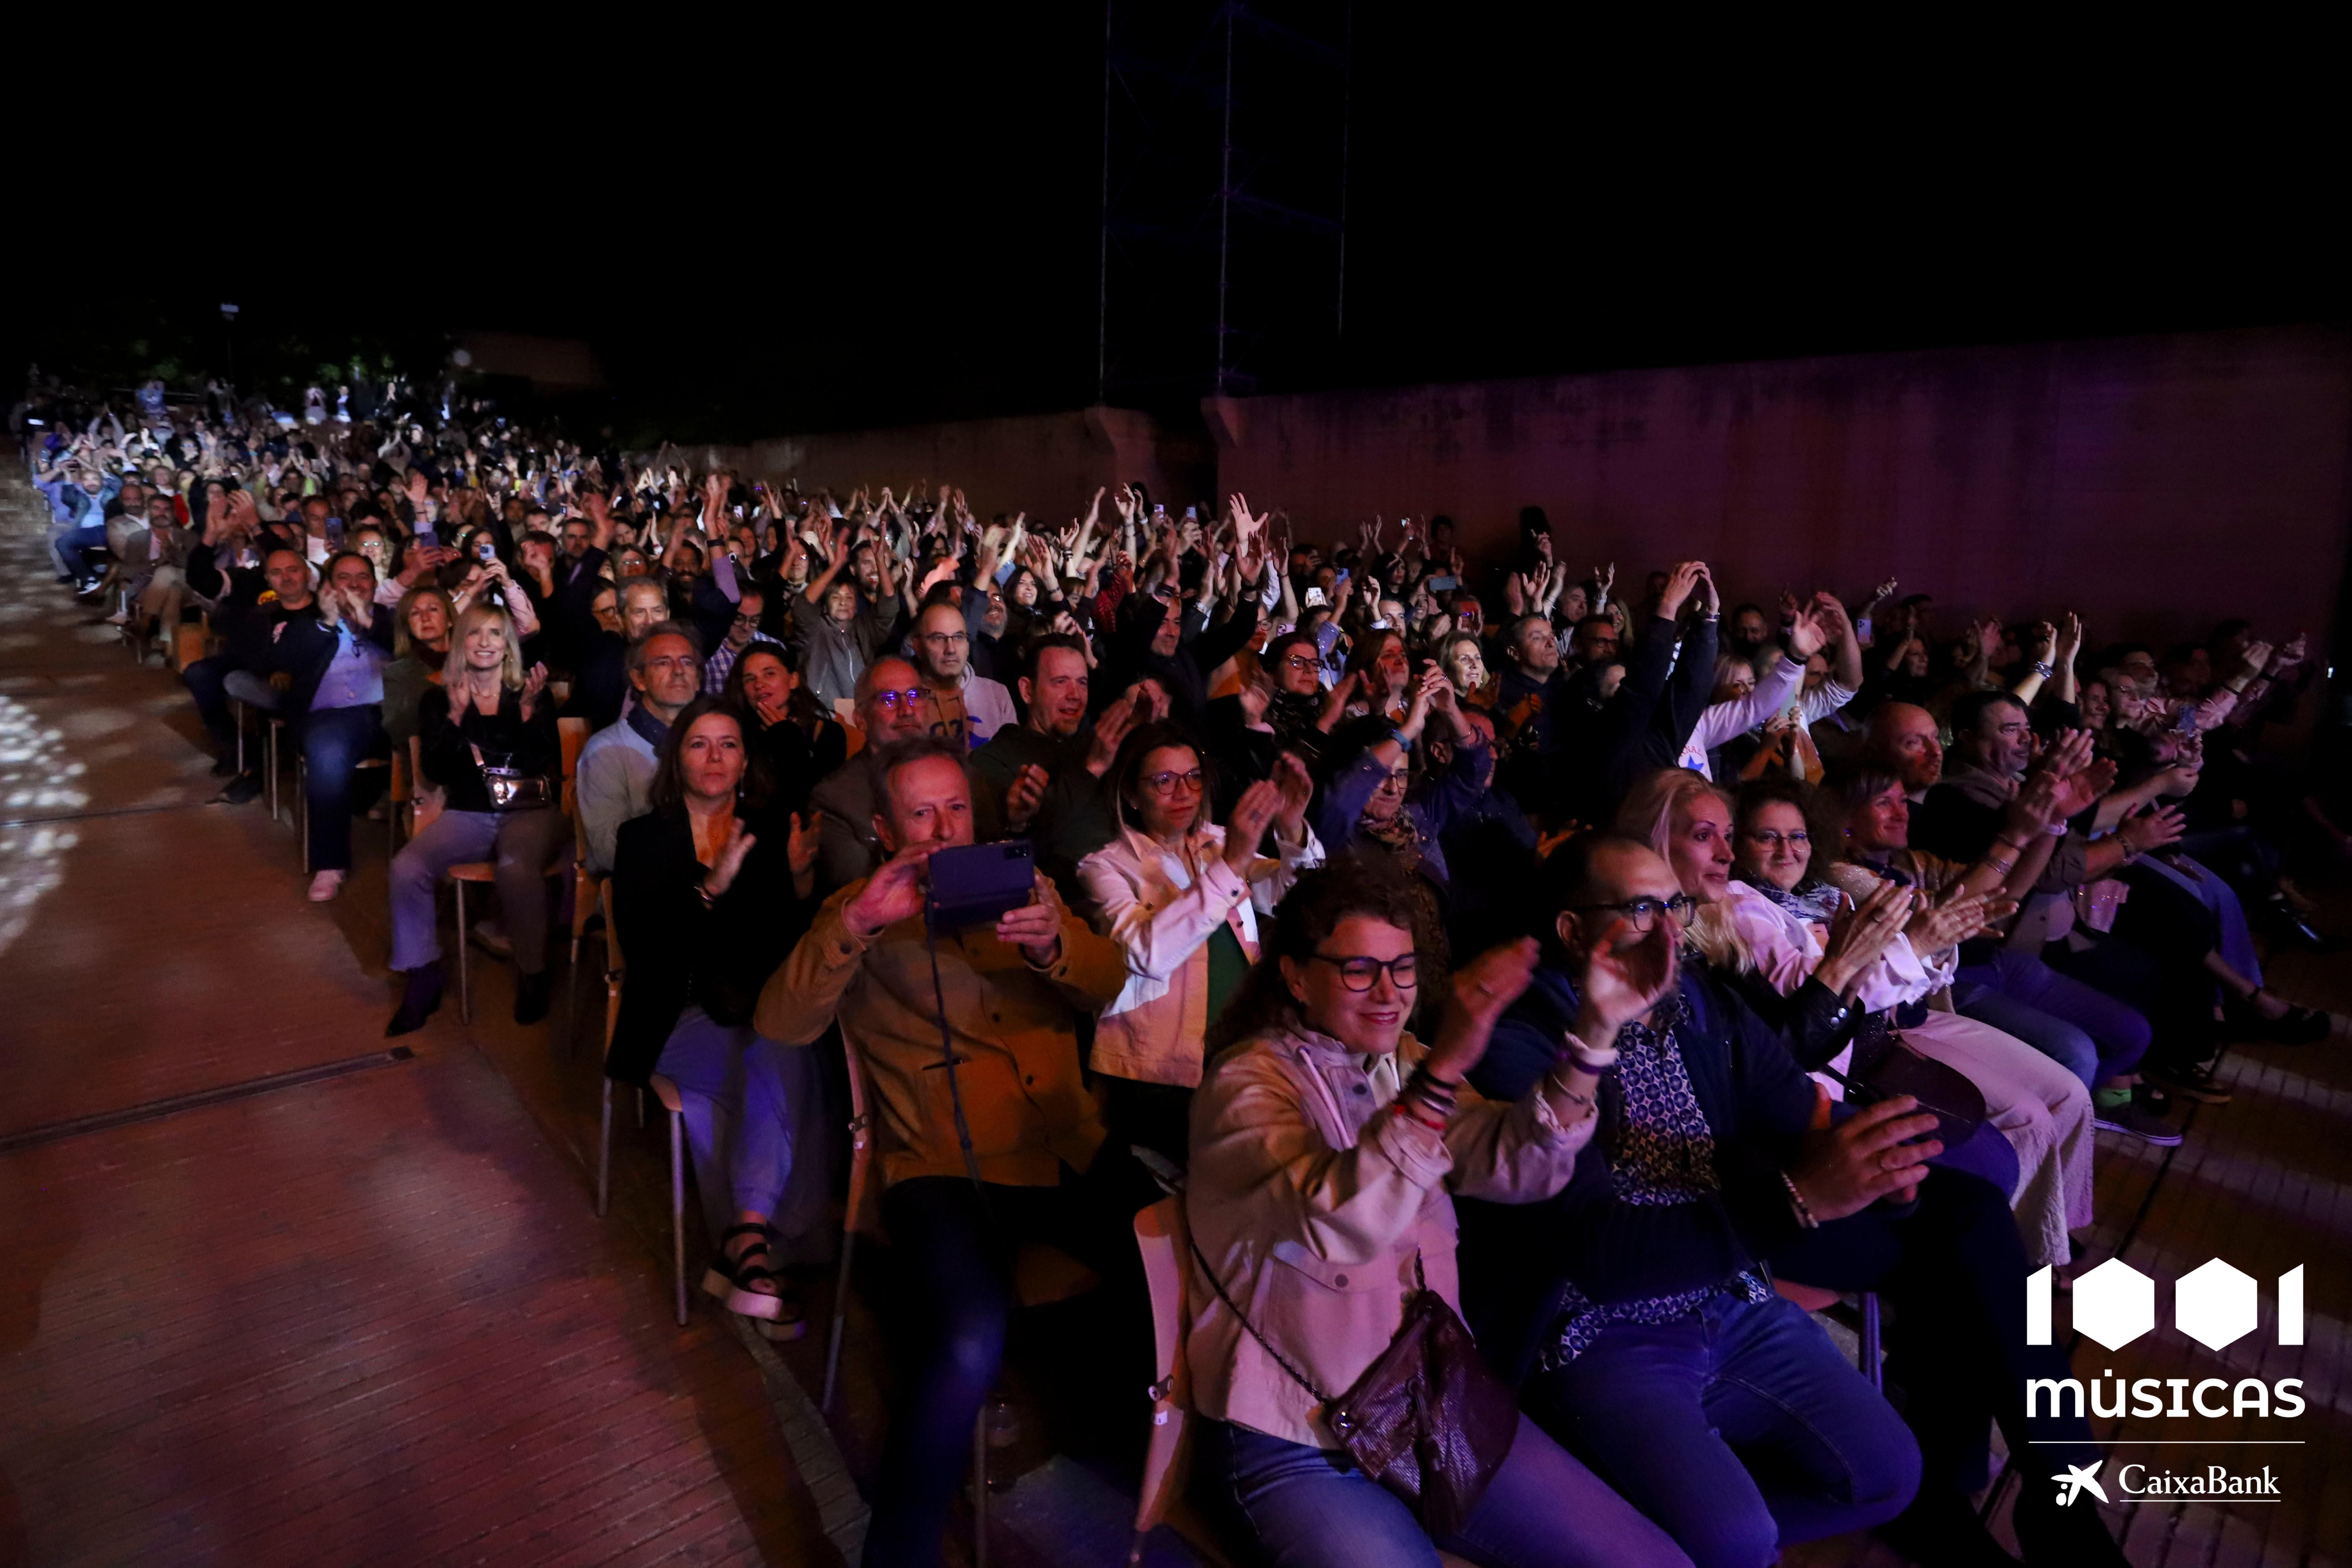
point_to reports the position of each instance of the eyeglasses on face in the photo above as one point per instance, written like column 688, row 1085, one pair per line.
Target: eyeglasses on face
column 911, row 697
column 1641, row 914
column 1301, row 661
column 1360, row 973
column 1168, row 783
column 1771, row 840
column 946, row 640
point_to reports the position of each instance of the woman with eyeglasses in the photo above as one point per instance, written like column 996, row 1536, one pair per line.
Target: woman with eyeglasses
column 1373, row 806
column 1329, row 1144
column 1868, row 961
column 1182, row 896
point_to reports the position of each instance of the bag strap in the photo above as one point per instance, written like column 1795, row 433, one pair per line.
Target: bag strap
column 1280, row 1360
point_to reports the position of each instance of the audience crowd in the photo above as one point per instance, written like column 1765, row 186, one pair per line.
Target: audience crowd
column 1590, row 958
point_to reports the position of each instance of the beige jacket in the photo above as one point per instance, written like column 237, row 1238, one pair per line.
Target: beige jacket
column 1015, row 1038
column 1162, row 906
column 1310, row 1201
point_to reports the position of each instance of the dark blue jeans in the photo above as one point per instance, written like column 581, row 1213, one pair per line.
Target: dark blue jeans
column 957, row 1243
column 1739, row 1427
column 334, row 743
column 204, row 678
column 1287, row 1505
column 74, row 545
column 2071, row 1021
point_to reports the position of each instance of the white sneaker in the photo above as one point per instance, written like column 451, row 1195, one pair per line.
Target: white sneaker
column 325, row 886
column 120, row 618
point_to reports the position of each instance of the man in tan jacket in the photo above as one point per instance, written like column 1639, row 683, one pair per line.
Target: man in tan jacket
column 999, row 1144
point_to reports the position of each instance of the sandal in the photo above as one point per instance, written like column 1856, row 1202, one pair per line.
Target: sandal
column 735, row 1280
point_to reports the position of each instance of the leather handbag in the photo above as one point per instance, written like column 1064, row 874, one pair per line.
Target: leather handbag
column 1427, row 1419
column 1885, row 1065
column 512, row 790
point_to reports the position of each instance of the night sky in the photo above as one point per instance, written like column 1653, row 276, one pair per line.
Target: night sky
column 850, row 219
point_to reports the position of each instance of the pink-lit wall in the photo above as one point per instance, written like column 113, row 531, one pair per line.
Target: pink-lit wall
column 2153, row 484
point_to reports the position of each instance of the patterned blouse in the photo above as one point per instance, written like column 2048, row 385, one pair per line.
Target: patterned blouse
column 1663, row 1153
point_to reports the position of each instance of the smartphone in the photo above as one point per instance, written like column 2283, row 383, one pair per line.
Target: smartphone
column 486, row 549
column 975, row 883
column 334, row 533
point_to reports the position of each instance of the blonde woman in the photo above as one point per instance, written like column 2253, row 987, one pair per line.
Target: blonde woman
column 489, row 739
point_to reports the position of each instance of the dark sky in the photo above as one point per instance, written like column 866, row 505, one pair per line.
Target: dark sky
column 876, row 217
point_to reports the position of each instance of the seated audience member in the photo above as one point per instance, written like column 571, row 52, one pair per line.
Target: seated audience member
column 1767, row 693
column 2042, row 1110
column 1181, row 896
column 421, row 623
column 1042, row 779
column 601, row 687
column 337, row 659
column 1327, row 1145
column 1020, row 1155
column 1636, row 1303
column 790, row 740
column 488, row 731
column 893, row 705
column 616, row 765
column 965, row 704
column 241, row 671
column 704, row 910
column 838, row 631
column 742, row 631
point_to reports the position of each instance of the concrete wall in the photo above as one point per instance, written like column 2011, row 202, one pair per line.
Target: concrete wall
column 2154, row 485
column 1048, row 465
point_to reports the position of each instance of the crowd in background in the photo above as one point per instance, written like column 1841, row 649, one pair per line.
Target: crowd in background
column 1694, row 945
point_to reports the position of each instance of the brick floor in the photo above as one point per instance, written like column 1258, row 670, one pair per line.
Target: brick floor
column 371, row 1319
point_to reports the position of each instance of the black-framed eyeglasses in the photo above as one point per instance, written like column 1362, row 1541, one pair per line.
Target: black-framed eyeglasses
column 1166, row 782
column 1360, row 973
column 1773, row 839
column 1641, row 914
column 909, row 698
column 946, row 640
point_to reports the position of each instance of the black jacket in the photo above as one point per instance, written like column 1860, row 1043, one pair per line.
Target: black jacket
column 506, row 738
column 1517, row 1258
column 674, row 950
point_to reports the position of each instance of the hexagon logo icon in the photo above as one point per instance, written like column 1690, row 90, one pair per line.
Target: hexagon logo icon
column 2115, row 1303
column 2213, row 1304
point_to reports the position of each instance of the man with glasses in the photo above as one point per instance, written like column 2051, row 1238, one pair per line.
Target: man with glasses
column 967, row 706
column 616, row 766
column 742, row 631
column 1639, row 1307
column 893, row 705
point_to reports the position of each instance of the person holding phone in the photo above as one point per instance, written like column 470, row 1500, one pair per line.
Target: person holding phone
column 987, row 1133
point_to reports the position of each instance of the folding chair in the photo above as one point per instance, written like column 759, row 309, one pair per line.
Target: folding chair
column 672, row 1101
column 482, row 871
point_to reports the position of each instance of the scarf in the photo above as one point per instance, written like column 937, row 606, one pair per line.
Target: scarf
column 649, row 728
column 1810, row 899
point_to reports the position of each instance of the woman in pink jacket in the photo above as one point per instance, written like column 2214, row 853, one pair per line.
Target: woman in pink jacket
column 1181, row 896
column 1326, row 1144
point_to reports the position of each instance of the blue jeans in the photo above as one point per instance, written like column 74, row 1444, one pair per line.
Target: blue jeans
column 958, row 1242
column 335, row 742
column 73, row 547
column 1739, row 1427
column 2088, row 1033
column 738, row 1111
column 1287, row 1505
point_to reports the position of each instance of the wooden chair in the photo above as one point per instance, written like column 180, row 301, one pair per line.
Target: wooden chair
column 482, row 871
column 587, row 886
column 672, row 1101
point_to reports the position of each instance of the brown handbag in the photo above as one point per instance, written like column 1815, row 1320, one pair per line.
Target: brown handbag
column 1427, row 1419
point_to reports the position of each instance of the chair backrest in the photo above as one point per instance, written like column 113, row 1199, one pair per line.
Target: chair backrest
column 1160, row 1236
column 571, row 734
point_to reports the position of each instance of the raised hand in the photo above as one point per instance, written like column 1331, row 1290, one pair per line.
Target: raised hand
column 532, row 685
column 2154, row 828
column 1622, row 983
column 1807, row 636
column 721, row 877
column 1482, row 988
column 1245, row 826
column 1028, row 794
column 1681, row 584
column 1111, row 726
column 1934, row 927
column 800, row 850
column 1036, row 928
column 894, row 893
column 1297, row 789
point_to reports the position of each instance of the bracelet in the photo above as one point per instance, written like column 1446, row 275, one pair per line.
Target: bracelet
column 1594, row 1060
column 2044, row 669
column 1803, row 1210
column 2003, row 867
column 702, row 891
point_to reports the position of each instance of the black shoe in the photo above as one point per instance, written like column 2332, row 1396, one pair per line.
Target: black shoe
column 532, row 994
column 418, row 1002
column 225, row 768
column 1941, row 1531
column 2195, row 1081
column 246, row 786
column 2295, row 1026
column 2052, row 1535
